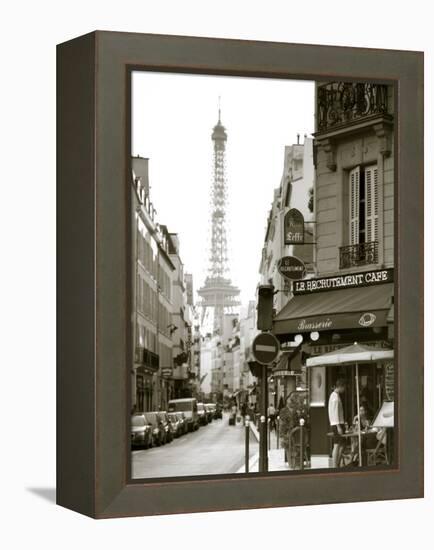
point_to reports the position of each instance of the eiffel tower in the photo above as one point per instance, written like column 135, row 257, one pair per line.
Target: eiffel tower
column 218, row 294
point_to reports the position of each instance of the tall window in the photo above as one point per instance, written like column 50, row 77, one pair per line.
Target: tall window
column 363, row 204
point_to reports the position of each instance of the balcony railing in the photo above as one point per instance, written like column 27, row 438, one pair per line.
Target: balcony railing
column 340, row 103
column 147, row 359
column 358, row 254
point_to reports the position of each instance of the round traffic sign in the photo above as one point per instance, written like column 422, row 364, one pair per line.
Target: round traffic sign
column 265, row 348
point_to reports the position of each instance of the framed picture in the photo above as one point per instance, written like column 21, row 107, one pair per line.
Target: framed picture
column 209, row 191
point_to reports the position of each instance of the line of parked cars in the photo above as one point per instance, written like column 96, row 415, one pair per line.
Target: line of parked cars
column 152, row 429
column 208, row 412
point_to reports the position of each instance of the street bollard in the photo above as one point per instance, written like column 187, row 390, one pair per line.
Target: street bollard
column 269, row 434
column 277, row 431
column 301, row 443
column 263, row 450
column 247, row 430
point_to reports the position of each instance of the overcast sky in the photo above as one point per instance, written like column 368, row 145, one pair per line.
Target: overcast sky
column 173, row 118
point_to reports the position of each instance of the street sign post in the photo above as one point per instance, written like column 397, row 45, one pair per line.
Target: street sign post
column 265, row 348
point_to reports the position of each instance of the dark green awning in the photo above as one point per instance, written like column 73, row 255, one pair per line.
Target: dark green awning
column 336, row 309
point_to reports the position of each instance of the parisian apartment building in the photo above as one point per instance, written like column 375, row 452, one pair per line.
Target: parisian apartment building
column 349, row 298
column 295, row 191
column 162, row 314
column 224, row 359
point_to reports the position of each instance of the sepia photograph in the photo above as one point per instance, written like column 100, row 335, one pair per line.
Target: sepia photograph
column 218, row 215
column 262, row 275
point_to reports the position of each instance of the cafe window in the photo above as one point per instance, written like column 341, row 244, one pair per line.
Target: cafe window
column 363, row 205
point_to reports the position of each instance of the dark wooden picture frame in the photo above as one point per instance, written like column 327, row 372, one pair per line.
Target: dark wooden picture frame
column 93, row 458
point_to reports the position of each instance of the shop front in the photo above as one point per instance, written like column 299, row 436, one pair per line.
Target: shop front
column 329, row 314
column 146, row 369
column 144, row 390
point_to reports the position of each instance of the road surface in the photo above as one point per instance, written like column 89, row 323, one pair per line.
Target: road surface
column 213, row 449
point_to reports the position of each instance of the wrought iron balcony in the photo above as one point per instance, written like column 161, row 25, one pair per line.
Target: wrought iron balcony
column 147, row 359
column 341, row 103
column 358, row 254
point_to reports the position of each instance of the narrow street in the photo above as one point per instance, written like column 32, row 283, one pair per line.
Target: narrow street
column 214, row 449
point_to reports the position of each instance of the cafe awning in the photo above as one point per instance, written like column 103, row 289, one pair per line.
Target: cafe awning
column 356, row 353
column 289, row 363
column 335, row 309
column 282, row 366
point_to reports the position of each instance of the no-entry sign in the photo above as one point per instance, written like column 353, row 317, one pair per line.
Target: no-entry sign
column 265, row 348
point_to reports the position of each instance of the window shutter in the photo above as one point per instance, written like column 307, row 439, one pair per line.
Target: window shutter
column 371, row 193
column 354, row 205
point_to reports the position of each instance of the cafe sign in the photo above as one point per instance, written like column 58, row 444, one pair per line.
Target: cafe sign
column 293, row 224
column 335, row 322
column 353, row 280
column 291, row 268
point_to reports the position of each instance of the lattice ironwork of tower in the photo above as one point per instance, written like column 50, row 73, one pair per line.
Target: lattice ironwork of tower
column 218, row 294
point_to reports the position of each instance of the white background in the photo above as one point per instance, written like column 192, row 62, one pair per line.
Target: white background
column 30, row 31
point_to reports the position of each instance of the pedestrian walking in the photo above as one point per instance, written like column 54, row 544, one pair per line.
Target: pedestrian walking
column 233, row 415
column 243, row 410
column 271, row 412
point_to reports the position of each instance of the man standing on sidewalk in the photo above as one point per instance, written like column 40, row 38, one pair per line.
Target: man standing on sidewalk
column 337, row 421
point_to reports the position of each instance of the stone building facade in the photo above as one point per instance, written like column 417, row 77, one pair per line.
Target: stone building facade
column 350, row 298
column 161, row 312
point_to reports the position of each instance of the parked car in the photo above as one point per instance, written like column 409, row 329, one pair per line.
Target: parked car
column 210, row 408
column 170, row 435
column 187, row 405
column 158, row 433
column 141, row 432
column 201, row 412
column 176, row 424
column 182, row 421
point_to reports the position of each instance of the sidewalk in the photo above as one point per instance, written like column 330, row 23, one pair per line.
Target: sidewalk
column 276, row 456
